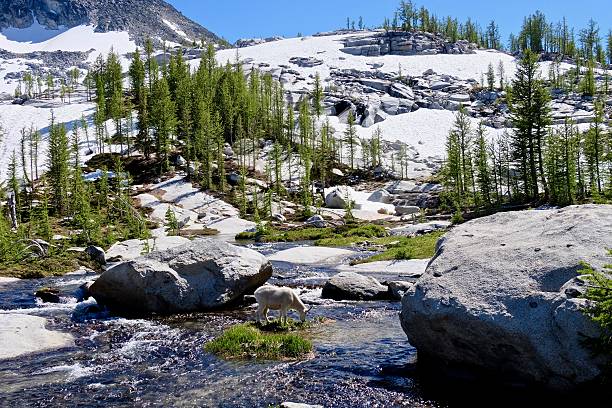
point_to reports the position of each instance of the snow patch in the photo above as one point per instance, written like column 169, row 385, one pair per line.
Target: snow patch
column 80, row 38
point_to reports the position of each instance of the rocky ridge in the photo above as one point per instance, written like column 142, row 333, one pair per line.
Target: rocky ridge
column 141, row 18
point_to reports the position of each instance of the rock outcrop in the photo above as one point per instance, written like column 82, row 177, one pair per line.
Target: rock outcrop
column 501, row 297
column 404, row 43
column 204, row 274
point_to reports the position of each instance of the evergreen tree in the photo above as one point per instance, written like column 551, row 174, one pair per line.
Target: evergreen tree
column 58, row 173
column 491, row 77
column 317, row 97
column 530, row 115
column 163, row 121
column 485, row 187
column 350, row 138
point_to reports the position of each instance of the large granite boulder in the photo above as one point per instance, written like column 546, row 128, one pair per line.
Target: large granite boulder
column 353, row 286
column 501, row 297
column 202, row 275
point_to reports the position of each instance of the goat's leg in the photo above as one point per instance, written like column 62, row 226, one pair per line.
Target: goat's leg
column 283, row 315
column 259, row 313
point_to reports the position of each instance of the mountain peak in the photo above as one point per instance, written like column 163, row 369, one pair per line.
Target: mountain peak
column 140, row 18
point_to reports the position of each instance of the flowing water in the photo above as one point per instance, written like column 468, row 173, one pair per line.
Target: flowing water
column 362, row 357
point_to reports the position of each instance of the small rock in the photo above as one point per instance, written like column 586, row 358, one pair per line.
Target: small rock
column 337, row 172
column 339, row 197
column 299, row 405
column 381, row 196
column 279, row 217
column 317, row 221
column 96, row 254
column 398, row 288
column 403, row 208
column 48, row 295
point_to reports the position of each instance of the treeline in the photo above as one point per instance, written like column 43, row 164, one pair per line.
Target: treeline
column 537, row 34
column 534, row 163
column 409, row 16
column 541, row 36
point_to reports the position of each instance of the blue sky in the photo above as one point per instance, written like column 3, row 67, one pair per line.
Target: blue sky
column 235, row 19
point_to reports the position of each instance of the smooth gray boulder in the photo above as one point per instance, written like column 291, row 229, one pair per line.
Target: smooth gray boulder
column 353, row 286
column 403, row 207
column 339, row 197
column 381, row 196
column 204, row 274
column 500, row 297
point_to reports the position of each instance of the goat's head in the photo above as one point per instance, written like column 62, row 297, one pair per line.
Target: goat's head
column 303, row 313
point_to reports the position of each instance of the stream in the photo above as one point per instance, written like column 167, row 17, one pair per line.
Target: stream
column 362, row 357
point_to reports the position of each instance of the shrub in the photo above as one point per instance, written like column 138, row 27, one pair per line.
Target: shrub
column 599, row 292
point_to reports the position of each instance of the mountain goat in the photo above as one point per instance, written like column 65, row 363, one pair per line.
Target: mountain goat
column 276, row 298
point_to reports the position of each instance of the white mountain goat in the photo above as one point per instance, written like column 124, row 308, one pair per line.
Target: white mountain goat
column 276, row 298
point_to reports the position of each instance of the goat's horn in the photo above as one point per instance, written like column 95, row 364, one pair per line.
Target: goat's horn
column 308, row 310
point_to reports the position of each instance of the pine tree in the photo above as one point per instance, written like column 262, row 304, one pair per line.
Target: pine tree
column 58, row 173
column 482, row 162
column 594, row 149
column 317, row 97
column 219, row 141
column 13, row 182
column 163, row 121
column 530, row 115
column 491, row 77
column 41, row 219
column 588, row 82
column 172, row 223
column 350, row 138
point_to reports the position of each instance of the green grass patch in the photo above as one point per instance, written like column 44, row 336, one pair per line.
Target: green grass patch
column 401, row 248
column 323, row 236
column 247, row 341
column 55, row 265
column 294, row 235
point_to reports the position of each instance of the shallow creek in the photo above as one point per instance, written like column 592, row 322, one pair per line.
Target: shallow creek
column 362, row 357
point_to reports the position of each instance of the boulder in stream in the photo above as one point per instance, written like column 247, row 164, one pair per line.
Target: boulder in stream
column 501, row 297
column 205, row 274
column 353, row 286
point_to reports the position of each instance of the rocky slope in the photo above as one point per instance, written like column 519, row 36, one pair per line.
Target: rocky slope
column 141, row 18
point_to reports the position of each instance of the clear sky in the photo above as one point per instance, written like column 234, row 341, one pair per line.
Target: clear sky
column 233, row 19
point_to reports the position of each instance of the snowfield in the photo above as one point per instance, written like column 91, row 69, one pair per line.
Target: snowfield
column 14, row 118
column 80, row 38
column 328, row 50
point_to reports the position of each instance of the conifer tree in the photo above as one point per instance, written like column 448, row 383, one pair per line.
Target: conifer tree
column 491, row 77
column 350, row 138
column 482, row 161
column 317, row 97
column 58, row 173
column 163, row 121
column 531, row 116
